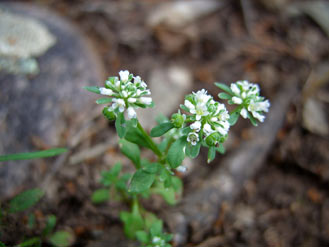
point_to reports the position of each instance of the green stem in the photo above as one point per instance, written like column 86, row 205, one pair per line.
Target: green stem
column 149, row 140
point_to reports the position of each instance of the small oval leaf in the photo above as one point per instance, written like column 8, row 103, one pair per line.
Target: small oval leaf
column 176, row 153
column 25, row 200
column 141, row 181
column 161, row 129
column 103, row 100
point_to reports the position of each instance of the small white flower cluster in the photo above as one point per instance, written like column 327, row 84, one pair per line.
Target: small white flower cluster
column 247, row 95
column 208, row 117
column 128, row 92
column 158, row 242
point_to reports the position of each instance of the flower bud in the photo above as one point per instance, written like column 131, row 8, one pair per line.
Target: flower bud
column 110, row 115
column 213, row 139
column 177, row 120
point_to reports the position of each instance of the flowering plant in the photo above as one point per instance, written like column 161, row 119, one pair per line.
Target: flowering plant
column 204, row 122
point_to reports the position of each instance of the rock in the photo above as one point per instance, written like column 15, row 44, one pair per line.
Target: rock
column 21, row 39
column 175, row 15
column 314, row 117
column 168, row 87
column 41, row 106
column 22, row 36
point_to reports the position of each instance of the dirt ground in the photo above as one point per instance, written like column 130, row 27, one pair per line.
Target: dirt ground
column 287, row 201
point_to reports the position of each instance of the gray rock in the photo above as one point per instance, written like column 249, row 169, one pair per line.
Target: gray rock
column 168, row 87
column 314, row 117
column 41, row 106
column 177, row 14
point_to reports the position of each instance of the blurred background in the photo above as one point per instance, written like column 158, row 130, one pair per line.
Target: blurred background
column 50, row 49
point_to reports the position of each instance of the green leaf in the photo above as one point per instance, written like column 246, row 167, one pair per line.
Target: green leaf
column 2, row 244
column 252, row 119
column 177, row 184
column 211, row 154
column 133, row 222
column 104, row 100
column 156, row 228
column 141, row 181
column 131, row 150
column 51, row 223
column 120, row 125
column 168, row 194
column 100, row 196
column 110, row 176
column 142, row 237
column 224, row 87
column 161, row 129
column 151, row 168
column 134, row 135
column 224, row 96
column 234, row 118
column 176, row 153
column 25, row 200
column 121, row 184
column 220, row 148
column 32, row 242
column 163, row 144
column 33, row 155
column 61, row 239
column 92, row 89
column 193, row 150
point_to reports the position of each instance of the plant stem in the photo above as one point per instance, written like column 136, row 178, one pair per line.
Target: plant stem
column 149, row 140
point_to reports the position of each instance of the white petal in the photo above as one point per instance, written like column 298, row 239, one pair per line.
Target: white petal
column 258, row 116
column 121, row 108
column 105, row 91
column 132, row 100
column 189, row 105
column 244, row 113
column 131, row 112
column 181, row 169
column 196, row 126
column 207, row 129
column 124, row 75
column 236, row 100
column 124, row 93
column 235, row 89
column 145, row 100
column 137, row 79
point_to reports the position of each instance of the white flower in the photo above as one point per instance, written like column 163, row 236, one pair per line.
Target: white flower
column 237, row 100
column 190, row 106
column 235, row 89
column 105, row 91
column 196, row 126
column 201, row 97
column 124, row 93
column 201, row 110
column 247, row 95
column 137, row 79
column 259, row 106
column 256, row 107
column 182, row 169
column 132, row 100
column 124, row 75
column 145, row 100
column 193, row 138
column 244, row 113
column 131, row 112
column 207, row 129
column 119, row 103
